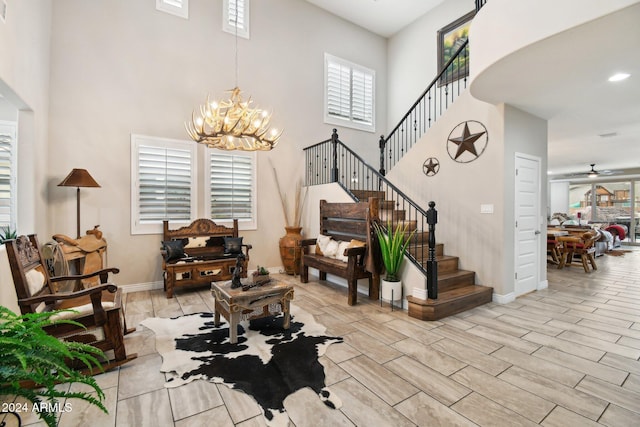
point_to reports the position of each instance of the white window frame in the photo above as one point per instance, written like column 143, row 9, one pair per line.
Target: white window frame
column 150, row 141
column 228, row 25
column 349, row 121
column 11, row 129
column 174, row 7
column 243, row 224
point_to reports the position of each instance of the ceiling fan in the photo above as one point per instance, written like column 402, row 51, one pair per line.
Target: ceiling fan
column 593, row 173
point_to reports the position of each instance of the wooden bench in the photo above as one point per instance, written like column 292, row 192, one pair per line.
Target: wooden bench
column 205, row 259
column 344, row 222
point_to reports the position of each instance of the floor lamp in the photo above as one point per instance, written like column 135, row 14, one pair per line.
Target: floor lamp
column 78, row 178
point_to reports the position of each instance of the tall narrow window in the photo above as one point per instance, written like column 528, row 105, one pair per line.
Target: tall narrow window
column 8, row 174
column 232, row 190
column 175, row 7
column 349, row 94
column 164, row 173
column 235, row 15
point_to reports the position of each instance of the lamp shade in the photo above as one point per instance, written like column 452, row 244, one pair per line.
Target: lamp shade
column 79, row 178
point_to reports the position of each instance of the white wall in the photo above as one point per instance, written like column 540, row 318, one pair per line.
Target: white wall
column 460, row 188
column 120, row 67
column 24, row 83
column 413, row 57
column 558, row 197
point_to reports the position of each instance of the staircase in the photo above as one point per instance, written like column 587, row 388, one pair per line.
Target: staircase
column 450, row 290
column 457, row 291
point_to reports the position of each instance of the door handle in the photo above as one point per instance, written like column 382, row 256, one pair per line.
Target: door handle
column 536, row 232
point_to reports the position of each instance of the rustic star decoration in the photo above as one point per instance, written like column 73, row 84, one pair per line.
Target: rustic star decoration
column 470, row 144
column 431, row 166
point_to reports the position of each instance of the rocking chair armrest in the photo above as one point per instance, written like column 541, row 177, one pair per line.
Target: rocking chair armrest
column 109, row 287
column 100, row 273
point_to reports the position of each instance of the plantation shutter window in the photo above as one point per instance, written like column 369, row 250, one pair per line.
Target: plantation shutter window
column 165, row 182
column 7, row 175
column 232, row 187
column 235, row 17
column 338, row 90
column 174, row 7
column 349, row 94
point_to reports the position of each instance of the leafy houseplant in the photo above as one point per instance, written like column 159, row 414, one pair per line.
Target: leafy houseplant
column 392, row 243
column 7, row 234
column 29, row 358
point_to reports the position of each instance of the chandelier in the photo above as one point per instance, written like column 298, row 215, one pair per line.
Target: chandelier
column 233, row 125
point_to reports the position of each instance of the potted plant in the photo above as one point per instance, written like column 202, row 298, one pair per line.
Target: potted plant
column 33, row 362
column 7, row 234
column 393, row 243
column 260, row 275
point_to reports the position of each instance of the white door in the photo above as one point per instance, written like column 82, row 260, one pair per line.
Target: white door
column 528, row 224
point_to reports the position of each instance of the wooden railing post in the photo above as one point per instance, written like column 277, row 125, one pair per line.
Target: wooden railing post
column 432, row 264
column 334, row 156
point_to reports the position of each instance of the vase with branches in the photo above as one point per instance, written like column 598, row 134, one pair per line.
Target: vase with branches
column 290, row 250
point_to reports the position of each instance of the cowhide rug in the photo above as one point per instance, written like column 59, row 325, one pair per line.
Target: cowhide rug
column 268, row 363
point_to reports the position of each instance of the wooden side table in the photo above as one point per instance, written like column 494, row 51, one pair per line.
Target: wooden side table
column 233, row 303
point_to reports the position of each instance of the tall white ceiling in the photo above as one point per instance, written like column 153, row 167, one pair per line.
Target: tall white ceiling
column 383, row 17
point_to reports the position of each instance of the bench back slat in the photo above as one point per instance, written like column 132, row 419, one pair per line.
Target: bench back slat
column 346, row 221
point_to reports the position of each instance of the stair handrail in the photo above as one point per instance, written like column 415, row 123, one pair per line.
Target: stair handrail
column 331, row 161
column 442, row 76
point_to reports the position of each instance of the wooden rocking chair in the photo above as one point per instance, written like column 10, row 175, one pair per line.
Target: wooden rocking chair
column 98, row 308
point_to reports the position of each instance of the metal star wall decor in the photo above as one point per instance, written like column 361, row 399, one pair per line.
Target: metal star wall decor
column 470, row 144
column 431, row 166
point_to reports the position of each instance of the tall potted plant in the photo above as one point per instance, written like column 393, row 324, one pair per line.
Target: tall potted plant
column 392, row 242
column 33, row 362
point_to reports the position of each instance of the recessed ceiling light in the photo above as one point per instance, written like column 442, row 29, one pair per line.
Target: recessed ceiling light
column 619, row 77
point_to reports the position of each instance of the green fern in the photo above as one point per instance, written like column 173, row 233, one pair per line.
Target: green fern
column 393, row 243
column 28, row 355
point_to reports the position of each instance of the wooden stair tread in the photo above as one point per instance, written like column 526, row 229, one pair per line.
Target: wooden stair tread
column 449, row 302
column 452, row 295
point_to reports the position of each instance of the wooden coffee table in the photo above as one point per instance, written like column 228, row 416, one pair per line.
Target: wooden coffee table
column 233, row 303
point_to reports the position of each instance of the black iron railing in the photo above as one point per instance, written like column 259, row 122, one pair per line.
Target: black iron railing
column 433, row 102
column 331, row 161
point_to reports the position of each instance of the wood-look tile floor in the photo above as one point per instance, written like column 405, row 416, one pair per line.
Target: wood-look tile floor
column 564, row 356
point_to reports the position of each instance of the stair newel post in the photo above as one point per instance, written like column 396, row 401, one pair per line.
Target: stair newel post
column 432, row 264
column 334, row 156
column 381, row 145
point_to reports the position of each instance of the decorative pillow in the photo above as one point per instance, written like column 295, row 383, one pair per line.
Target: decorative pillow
column 342, row 246
column 35, row 280
column 173, row 249
column 196, row 242
column 357, row 243
column 332, row 249
column 233, row 245
column 321, row 244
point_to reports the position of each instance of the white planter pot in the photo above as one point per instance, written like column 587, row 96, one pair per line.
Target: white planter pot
column 391, row 291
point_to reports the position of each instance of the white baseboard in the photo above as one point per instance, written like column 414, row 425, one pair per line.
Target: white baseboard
column 504, row 299
column 543, row 285
column 139, row 287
